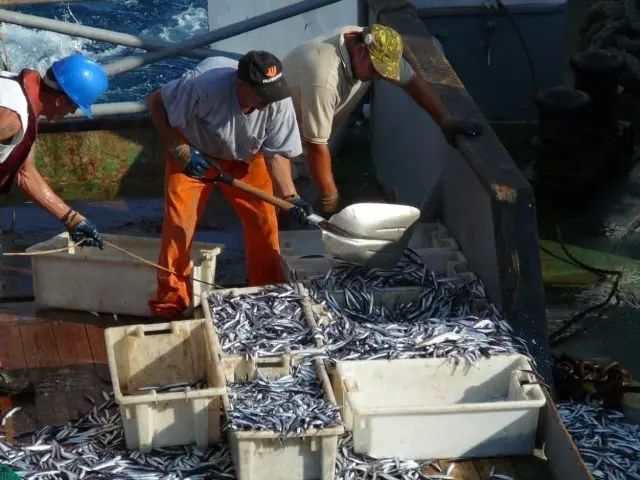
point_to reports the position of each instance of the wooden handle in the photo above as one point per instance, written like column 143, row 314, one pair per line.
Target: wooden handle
column 272, row 199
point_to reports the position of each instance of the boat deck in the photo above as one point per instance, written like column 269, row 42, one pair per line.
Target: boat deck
column 64, row 354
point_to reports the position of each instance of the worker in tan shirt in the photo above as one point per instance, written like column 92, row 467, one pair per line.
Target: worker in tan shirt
column 329, row 75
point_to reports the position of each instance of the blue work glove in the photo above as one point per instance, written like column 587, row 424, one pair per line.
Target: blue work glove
column 300, row 211
column 197, row 166
column 452, row 126
column 85, row 230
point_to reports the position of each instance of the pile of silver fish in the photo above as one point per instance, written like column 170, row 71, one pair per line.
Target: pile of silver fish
column 355, row 466
column 261, row 323
column 93, row 447
column 289, row 405
column 410, row 271
column 439, row 322
column 609, row 446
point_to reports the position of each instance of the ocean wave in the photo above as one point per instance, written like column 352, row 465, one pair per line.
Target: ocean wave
column 36, row 49
column 153, row 19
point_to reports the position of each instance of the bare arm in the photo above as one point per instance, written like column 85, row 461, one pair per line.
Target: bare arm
column 160, row 120
column 280, row 171
column 32, row 183
column 319, row 159
column 10, row 125
column 169, row 135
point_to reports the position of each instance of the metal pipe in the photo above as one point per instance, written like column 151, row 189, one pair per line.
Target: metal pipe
column 116, row 108
column 103, row 35
column 222, row 33
column 104, row 109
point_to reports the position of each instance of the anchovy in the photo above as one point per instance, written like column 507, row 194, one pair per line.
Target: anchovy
column 355, row 466
column 263, row 323
column 498, row 476
column 609, row 447
column 9, row 414
column 449, row 317
column 290, row 405
column 172, row 387
column 93, row 447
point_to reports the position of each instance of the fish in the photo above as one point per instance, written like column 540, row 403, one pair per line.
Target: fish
column 171, row 387
column 498, row 476
column 262, row 323
column 9, row 414
column 93, row 447
column 610, row 447
column 351, row 465
column 409, row 330
column 448, row 317
column 290, row 405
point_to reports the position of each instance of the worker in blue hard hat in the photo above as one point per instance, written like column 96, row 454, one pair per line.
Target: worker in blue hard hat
column 70, row 83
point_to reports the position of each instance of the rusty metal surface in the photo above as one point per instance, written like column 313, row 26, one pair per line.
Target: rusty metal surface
column 98, row 161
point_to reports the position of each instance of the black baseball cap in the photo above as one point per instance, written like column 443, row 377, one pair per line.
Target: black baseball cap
column 263, row 71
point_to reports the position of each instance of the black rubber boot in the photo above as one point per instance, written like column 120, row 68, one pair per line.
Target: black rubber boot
column 12, row 385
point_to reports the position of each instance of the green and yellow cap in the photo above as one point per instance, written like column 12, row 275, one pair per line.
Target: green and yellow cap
column 385, row 49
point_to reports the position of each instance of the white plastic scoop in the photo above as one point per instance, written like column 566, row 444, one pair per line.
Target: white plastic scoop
column 371, row 234
column 386, row 226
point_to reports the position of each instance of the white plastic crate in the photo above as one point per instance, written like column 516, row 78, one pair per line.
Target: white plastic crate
column 108, row 280
column 262, row 455
column 428, row 408
column 158, row 355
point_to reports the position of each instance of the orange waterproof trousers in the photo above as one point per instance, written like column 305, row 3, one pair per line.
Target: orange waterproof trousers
column 184, row 204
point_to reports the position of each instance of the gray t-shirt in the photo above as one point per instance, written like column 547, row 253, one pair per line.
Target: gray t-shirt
column 203, row 104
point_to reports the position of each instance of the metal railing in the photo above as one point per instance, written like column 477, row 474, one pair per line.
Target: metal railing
column 222, row 33
column 163, row 49
column 102, row 35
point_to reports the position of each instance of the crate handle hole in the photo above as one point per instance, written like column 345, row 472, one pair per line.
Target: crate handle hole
column 165, row 331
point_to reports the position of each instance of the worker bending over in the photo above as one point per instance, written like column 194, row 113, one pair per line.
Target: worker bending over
column 241, row 114
column 328, row 77
column 70, row 83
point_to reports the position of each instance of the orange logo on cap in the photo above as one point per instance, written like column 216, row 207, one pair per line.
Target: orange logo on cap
column 271, row 71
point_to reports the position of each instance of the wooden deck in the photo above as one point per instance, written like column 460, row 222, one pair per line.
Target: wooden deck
column 518, row 468
column 64, row 354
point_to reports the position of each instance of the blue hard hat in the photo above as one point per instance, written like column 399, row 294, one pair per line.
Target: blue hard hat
column 81, row 79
